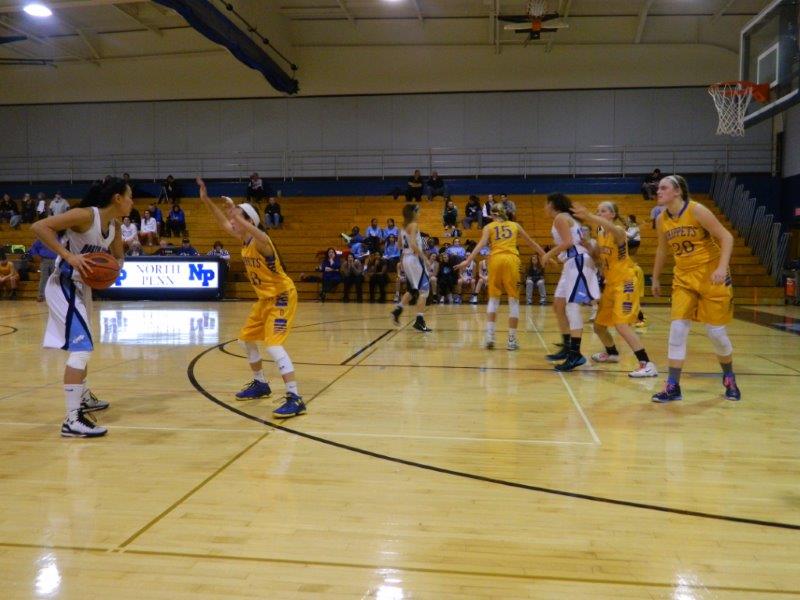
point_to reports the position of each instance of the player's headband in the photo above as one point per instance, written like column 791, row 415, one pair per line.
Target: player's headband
column 251, row 212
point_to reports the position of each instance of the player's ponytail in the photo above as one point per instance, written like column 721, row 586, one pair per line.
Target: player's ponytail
column 679, row 182
column 102, row 192
column 499, row 212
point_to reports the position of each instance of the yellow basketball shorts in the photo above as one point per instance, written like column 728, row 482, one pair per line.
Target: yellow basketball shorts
column 695, row 298
column 503, row 275
column 271, row 319
column 619, row 302
column 639, row 279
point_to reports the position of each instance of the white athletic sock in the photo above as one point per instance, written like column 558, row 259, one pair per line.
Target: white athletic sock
column 259, row 376
column 512, row 334
column 86, row 390
column 291, row 387
column 72, row 394
column 490, row 327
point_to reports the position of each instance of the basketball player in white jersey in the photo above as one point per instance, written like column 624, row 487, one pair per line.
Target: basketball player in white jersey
column 578, row 283
column 418, row 282
column 93, row 227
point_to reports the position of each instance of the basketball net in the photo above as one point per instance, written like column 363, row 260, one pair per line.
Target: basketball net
column 536, row 8
column 732, row 99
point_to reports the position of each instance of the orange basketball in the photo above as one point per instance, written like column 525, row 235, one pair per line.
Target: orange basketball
column 105, row 270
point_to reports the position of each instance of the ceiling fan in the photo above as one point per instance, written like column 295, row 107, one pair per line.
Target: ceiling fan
column 535, row 22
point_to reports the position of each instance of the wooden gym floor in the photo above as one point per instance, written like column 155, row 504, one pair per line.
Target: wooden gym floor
column 425, row 468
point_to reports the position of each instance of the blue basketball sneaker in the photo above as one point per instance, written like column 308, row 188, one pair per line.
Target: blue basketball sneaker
column 670, row 393
column 731, row 389
column 254, row 389
column 292, row 407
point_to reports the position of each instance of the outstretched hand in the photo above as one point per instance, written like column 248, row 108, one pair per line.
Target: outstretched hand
column 579, row 211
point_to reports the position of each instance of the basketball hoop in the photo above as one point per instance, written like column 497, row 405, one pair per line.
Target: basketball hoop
column 732, row 99
column 536, row 8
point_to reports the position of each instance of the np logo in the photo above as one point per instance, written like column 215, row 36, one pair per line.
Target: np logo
column 123, row 275
column 198, row 273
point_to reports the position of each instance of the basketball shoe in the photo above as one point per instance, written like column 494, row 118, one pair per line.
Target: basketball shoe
column 78, row 424
column 254, row 389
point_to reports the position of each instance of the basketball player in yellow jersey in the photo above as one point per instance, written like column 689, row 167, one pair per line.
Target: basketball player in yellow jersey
column 272, row 315
column 504, row 267
column 701, row 283
column 619, row 301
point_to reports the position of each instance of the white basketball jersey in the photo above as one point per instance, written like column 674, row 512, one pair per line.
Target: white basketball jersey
column 405, row 243
column 577, row 241
column 91, row 240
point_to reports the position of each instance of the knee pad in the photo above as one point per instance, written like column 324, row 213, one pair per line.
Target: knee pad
column 718, row 334
column 678, row 334
column 282, row 360
column 492, row 305
column 574, row 316
column 414, row 296
column 513, row 308
column 253, row 355
column 78, row 360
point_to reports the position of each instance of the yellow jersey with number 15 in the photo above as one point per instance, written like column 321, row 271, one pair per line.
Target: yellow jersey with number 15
column 266, row 274
column 691, row 244
column 503, row 237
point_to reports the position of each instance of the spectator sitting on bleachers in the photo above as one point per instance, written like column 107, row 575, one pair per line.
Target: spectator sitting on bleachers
column 219, row 251
column 390, row 229
column 391, row 251
column 447, row 277
column 272, row 213
column 353, row 275
column 129, row 233
column 9, row 278
column 449, row 217
column 634, row 235
column 650, row 184
column 165, row 249
column 28, row 209
column 432, row 245
column 135, row 249
column 377, row 269
column 176, row 222
column 170, row 192
column 414, row 187
column 436, row 187
column 433, row 275
column 511, row 208
column 486, row 213
column 8, row 208
column 186, row 249
column 149, row 230
column 374, row 235
column 156, row 213
column 255, row 188
column 456, row 250
column 355, row 235
column 47, row 261
column 472, row 213
column 135, row 217
column 535, row 277
column 59, row 205
column 331, row 268
column 41, row 206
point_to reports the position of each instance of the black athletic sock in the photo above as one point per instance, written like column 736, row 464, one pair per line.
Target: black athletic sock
column 575, row 345
column 641, row 316
column 642, row 355
column 727, row 368
column 674, row 375
column 565, row 340
column 612, row 350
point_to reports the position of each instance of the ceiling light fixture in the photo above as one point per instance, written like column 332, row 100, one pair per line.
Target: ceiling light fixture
column 35, row 9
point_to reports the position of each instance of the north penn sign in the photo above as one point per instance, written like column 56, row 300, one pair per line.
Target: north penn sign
column 166, row 274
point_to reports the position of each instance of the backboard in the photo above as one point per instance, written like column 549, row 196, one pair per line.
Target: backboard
column 770, row 53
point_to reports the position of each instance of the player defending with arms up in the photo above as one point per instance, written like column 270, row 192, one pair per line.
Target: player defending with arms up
column 701, row 282
column 504, row 265
column 93, row 227
column 272, row 315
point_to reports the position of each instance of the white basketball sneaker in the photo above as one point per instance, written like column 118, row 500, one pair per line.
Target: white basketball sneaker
column 489, row 342
column 91, row 403
column 646, row 369
column 512, row 344
column 605, row 357
column 78, row 424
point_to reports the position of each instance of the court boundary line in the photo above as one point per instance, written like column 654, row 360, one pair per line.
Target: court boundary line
column 374, row 567
column 13, row 330
column 482, row 478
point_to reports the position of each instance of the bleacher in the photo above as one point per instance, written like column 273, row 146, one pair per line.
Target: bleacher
column 312, row 224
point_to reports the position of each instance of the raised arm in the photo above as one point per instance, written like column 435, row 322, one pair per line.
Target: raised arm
column 222, row 220
column 262, row 240
column 479, row 246
column 531, row 242
column 584, row 214
column 711, row 224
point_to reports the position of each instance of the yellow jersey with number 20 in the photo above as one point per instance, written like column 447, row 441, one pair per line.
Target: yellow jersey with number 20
column 266, row 274
column 503, row 237
column 691, row 244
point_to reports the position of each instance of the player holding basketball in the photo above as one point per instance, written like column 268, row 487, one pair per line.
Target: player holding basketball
column 578, row 282
column 501, row 236
column 701, row 281
column 619, row 301
column 92, row 227
column 273, row 313
column 415, row 267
